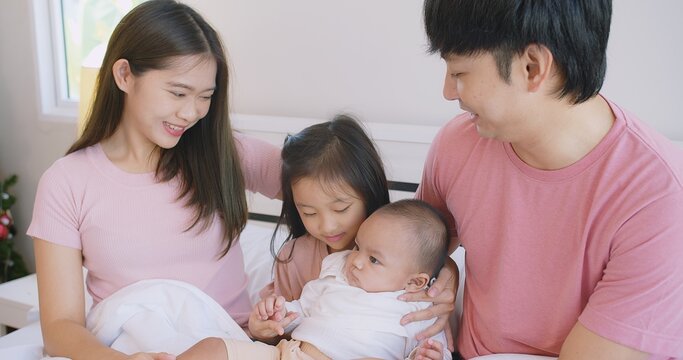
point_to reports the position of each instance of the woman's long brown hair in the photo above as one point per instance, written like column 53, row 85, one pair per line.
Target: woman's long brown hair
column 205, row 159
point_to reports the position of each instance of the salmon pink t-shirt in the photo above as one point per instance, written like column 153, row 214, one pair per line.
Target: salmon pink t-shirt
column 290, row 276
column 130, row 227
column 599, row 242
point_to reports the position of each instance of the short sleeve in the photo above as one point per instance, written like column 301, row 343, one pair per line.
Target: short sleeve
column 638, row 301
column 261, row 165
column 429, row 189
column 306, row 259
column 55, row 211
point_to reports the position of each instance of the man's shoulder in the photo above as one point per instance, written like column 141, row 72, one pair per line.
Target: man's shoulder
column 460, row 126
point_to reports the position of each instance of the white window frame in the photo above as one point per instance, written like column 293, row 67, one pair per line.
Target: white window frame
column 54, row 102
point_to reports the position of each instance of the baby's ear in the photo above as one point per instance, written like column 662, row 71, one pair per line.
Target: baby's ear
column 417, row 282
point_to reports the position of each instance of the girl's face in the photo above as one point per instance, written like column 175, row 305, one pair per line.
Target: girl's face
column 160, row 105
column 331, row 214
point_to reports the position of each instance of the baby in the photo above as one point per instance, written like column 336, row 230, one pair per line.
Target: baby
column 351, row 311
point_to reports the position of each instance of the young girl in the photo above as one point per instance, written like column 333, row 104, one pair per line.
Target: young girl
column 332, row 179
column 154, row 188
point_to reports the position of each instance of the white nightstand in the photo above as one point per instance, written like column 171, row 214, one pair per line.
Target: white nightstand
column 19, row 302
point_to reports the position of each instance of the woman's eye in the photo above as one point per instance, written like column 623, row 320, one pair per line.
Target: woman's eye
column 343, row 210
column 177, row 94
column 374, row 260
column 308, row 215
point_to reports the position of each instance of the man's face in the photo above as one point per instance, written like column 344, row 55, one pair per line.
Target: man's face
column 494, row 105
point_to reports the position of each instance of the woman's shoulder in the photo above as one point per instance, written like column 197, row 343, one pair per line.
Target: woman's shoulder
column 72, row 164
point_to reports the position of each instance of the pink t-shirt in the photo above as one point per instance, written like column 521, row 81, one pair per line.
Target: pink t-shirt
column 131, row 228
column 290, row 277
column 600, row 241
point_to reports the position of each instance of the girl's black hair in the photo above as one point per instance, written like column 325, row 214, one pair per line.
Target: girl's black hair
column 335, row 152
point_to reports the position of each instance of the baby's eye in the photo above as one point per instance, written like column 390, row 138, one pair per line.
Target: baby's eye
column 374, row 260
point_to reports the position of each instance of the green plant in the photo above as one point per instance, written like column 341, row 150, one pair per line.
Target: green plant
column 12, row 265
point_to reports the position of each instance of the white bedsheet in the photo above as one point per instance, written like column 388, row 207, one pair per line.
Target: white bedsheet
column 160, row 315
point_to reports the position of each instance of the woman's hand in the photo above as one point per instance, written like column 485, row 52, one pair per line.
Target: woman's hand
column 442, row 294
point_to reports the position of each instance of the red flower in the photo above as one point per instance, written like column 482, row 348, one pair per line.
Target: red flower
column 4, row 232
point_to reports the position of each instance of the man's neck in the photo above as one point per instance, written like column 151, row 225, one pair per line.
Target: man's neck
column 568, row 133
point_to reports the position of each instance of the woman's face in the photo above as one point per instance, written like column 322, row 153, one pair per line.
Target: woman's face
column 160, row 105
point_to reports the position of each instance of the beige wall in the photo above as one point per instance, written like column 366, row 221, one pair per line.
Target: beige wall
column 311, row 58
column 27, row 144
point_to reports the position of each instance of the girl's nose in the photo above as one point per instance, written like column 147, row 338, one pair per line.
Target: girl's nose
column 328, row 225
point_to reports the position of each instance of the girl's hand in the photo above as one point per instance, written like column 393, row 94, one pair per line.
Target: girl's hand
column 442, row 294
column 269, row 318
column 267, row 330
column 428, row 350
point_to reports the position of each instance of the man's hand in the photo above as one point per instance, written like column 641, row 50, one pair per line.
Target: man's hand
column 442, row 294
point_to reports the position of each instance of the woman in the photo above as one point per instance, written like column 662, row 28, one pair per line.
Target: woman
column 154, row 188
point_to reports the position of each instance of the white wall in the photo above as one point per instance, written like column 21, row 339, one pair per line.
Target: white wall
column 313, row 58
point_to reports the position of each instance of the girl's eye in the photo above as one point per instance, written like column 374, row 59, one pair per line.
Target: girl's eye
column 343, row 210
column 374, row 260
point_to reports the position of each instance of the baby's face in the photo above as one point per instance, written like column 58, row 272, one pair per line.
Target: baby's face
column 384, row 260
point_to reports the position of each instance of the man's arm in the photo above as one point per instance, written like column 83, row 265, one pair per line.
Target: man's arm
column 585, row 344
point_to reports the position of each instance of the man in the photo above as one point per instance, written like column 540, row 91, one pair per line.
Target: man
column 570, row 209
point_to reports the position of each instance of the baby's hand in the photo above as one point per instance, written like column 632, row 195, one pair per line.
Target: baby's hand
column 271, row 308
column 269, row 318
column 429, row 349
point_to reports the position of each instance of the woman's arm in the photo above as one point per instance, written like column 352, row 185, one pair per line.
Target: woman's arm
column 62, row 306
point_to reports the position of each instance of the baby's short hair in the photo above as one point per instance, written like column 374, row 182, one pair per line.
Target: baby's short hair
column 428, row 229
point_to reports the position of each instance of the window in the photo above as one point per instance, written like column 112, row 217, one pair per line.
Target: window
column 71, row 37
